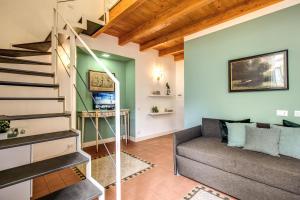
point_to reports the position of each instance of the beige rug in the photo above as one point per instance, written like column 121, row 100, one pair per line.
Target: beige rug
column 103, row 169
column 202, row 192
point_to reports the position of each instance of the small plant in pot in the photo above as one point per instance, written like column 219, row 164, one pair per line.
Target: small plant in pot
column 4, row 126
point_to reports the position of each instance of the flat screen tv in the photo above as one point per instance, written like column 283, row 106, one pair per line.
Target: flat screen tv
column 104, row 100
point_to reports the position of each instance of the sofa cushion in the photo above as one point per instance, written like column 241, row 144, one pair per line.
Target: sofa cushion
column 211, row 127
column 280, row 172
column 290, row 124
column 263, row 140
column 289, row 142
column 224, row 128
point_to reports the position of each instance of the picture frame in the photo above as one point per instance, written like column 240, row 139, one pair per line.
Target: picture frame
column 100, row 82
column 264, row 72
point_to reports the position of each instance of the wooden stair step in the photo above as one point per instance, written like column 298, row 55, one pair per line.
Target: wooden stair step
column 84, row 190
column 23, row 173
column 33, row 139
column 4, row 59
column 32, row 98
column 25, row 72
column 35, row 116
column 25, row 84
column 92, row 28
column 36, row 46
column 21, row 53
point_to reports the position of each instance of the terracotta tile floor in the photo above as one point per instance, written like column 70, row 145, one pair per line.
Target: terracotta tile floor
column 158, row 183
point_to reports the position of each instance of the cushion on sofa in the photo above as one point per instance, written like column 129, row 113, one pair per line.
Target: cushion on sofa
column 237, row 134
column 290, row 124
column 224, row 129
column 281, row 172
column 211, row 127
column 263, row 140
column 289, row 144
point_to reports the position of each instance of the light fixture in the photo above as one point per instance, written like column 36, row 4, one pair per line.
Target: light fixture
column 157, row 73
column 105, row 55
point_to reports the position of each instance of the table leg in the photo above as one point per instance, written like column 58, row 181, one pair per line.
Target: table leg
column 97, row 132
column 126, row 128
column 82, row 131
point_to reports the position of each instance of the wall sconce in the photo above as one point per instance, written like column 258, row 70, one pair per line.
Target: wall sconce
column 157, row 74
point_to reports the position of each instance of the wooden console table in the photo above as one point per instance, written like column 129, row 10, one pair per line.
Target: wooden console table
column 102, row 114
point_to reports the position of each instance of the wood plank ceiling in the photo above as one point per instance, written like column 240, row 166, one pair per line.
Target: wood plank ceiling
column 163, row 24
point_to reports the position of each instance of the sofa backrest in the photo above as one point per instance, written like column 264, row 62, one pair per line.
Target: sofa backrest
column 211, row 127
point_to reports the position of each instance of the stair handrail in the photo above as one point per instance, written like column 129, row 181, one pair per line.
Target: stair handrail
column 73, row 37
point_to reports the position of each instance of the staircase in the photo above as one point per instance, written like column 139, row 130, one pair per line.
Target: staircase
column 30, row 99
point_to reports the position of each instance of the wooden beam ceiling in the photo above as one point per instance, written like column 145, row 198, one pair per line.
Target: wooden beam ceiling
column 120, row 11
column 163, row 20
column 172, row 50
column 163, row 24
column 219, row 18
column 179, row 57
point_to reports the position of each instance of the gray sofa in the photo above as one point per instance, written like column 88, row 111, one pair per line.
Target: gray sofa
column 247, row 175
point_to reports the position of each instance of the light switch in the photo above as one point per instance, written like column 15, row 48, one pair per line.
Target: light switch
column 297, row 113
column 282, row 113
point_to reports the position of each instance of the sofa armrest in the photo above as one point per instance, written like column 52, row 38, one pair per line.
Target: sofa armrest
column 182, row 137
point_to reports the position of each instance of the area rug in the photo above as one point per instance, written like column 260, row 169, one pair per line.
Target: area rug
column 202, row 192
column 103, row 169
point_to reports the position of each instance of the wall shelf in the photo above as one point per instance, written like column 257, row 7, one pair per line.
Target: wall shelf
column 152, row 95
column 161, row 113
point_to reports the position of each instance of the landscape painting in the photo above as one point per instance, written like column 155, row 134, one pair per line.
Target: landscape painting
column 259, row 73
column 100, row 82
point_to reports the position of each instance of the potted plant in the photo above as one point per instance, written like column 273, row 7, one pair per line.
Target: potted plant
column 4, row 126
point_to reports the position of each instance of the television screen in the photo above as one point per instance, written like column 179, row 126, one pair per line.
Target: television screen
column 104, row 100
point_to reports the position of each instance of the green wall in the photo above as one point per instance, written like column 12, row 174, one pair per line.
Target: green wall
column 125, row 72
column 206, row 70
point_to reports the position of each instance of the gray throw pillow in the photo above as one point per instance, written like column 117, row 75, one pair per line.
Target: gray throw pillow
column 263, row 140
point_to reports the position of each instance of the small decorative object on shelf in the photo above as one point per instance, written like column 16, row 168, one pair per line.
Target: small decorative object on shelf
column 14, row 132
column 155, row 109
column 168, row 89
column 168, row 110
column 4, row 126
column 156, row 92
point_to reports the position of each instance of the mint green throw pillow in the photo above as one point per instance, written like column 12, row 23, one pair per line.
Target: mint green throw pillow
column 289, row 144
column 237, row 134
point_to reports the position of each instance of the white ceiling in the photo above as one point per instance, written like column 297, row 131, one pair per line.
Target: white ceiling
column 31, row 20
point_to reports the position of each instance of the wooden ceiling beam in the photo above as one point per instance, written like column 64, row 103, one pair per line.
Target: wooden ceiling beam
column 236, row 11
column 163, row 20
column 175, row 49
column 120, row 11
column 179, row 57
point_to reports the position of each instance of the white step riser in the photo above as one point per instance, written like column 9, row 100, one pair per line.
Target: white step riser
column 37, row 68
column 20, row 91
column 30, row 107
column 25, row 78
column 61, row 147
column 38, row 126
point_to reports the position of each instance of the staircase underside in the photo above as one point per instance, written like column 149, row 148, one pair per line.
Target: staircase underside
column 36, row 46
column 4, row 59
column 21, row 53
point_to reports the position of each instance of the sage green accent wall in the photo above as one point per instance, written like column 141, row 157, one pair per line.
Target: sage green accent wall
column 124, row 71
column 206, row 70
column 130, row 93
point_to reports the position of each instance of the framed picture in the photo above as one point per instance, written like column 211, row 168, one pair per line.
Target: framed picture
column 259, row 73
column 100, row 82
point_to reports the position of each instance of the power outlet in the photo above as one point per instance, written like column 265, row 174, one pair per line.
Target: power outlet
column 297, row 113
column 282, row 113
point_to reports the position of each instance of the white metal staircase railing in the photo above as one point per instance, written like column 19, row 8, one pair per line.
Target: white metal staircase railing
column 72, row 72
